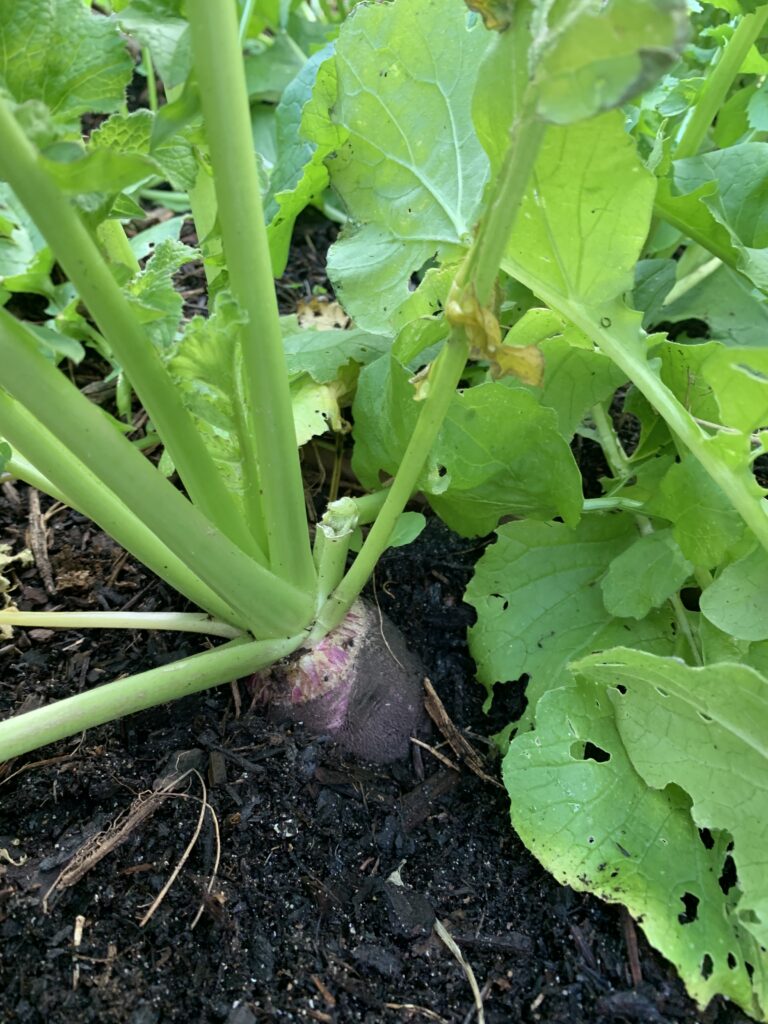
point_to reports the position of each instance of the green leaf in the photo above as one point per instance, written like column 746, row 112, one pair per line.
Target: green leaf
column 154, row 296
column 62, row 53
column 5, row 455
column 407, row 529
column 539, row 606
column 737, row 602
column 706, row 525
column 681, row 371
column 591, row 56
column 158, row 24
column 734, row 312
column 737, row 201
column 494, row 447
column 206, row 367
column 757, row 110
column 575, row 378
column 299, row 176
column 323, row 353
column 22, row 247
column 586, row 215
column 739, row 381
column 317, row 408
column 133, row 133
column 654, row 279
column 690, row 213
column 100, row 170
column 488, row 458
column 644, row 575
column 704, row 730
column 271, row 68
column 411, row 172
column 583, row 810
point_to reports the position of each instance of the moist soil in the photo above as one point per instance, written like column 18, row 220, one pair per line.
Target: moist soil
column 199, row 863
column 288, row 903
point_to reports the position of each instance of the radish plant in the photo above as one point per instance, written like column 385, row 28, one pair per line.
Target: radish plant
column 554, row 215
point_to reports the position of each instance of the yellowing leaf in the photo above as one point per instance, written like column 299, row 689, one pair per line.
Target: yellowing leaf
column 526, row 362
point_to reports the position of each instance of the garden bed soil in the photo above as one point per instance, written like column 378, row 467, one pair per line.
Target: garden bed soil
column 294, row 887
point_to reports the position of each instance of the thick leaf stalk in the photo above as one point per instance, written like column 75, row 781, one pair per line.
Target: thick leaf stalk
column 126, row 696
column 83, row 263
column 274, row 488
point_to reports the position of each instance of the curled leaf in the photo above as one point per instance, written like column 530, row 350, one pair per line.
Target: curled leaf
column 484, row 335
column 526, row 362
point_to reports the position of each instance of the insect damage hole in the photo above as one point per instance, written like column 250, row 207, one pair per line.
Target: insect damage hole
column 728, row 877
column 594, row 753
column 707, row 966
column 691, row 912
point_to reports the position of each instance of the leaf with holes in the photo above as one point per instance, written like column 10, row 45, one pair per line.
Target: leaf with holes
column 704, row 730
column 588, row 814
column 539, row 604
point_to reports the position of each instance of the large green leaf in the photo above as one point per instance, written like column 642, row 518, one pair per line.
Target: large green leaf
column 206, row 367
column 153, row 295
column 63, row 54
column 706, row 731
column 586, row 215
column 25, row 260
column 737, row 601
column 323, row 353
column 539, row 604
column 498, row 452
column 593, row 821
column 644, row 575
column 739, row 381
column 411, row 172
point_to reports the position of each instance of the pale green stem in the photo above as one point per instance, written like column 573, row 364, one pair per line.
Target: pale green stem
column 84, row 265
column 685, row 284
column 277, row 491
column 609, row 442
column 444, row 378
column 262, row 602
column 19, row 468
column 611, row 504
column 42, row 448
column 719, row 82
column 149, row 71
column 245, row 19
column 182, row 622
column 331, row 560
column 480, row 268
column 73, row 715
column 369, row 506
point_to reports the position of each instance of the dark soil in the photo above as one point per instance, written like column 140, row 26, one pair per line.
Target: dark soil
column 301, row 916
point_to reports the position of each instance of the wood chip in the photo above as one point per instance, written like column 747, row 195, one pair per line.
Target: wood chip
column 37, row 541
column 461, row 746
